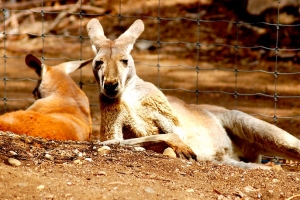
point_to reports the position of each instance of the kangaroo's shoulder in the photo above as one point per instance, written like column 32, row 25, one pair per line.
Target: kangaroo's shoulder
column 158, row 102
column 142, row 91
column 150, row 95
column 146, row 88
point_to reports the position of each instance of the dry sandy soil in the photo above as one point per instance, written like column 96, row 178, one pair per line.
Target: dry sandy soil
column 70, row 170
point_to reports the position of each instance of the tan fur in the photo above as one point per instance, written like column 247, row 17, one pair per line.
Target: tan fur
column 133, row 108
column 63, row 111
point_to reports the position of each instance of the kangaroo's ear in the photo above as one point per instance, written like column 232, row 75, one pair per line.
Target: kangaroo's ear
column 71, row 66
column 128, row 38
column 34, row 63
column 96, row 34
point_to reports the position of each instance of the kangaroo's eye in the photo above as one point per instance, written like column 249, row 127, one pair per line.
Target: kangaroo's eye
column 98, row 64
column 125, row 62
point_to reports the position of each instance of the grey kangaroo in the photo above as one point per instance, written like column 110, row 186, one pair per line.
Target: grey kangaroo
column 133, row 108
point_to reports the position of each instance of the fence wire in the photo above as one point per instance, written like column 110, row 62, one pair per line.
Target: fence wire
column 79, row 10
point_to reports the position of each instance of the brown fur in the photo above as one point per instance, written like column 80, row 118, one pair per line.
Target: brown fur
column 63, row 111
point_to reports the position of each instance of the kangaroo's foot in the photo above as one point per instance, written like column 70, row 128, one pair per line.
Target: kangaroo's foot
column 158, row 143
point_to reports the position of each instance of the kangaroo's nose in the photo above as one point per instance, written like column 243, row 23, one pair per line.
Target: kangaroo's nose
column 111, row 87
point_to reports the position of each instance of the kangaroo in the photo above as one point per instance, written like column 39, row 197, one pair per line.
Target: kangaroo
column 61, row 111
column 133, row 108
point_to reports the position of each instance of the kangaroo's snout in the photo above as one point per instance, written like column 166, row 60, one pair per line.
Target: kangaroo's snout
column 111, row 88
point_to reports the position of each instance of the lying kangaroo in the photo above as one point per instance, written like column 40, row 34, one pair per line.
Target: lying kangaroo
column 131, row 107
column 62, row 111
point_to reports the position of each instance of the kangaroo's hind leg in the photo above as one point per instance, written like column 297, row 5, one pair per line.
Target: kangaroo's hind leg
column 158, row 143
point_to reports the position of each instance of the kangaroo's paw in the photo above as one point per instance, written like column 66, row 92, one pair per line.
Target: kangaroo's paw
column 185, row 152
column 160, row 142
column 181, row 149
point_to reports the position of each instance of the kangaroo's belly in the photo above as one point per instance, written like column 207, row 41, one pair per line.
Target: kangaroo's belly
column 203, row 131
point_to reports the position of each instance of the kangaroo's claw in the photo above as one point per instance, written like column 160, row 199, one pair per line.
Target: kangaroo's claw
column 185, row 152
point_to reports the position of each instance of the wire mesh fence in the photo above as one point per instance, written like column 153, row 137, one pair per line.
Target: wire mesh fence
column 201, row 51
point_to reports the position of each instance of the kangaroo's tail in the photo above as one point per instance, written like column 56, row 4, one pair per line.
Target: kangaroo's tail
column 270, row 139
column 244, row 165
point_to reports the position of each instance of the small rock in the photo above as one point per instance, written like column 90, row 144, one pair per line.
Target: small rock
column 153, row 176
column 13, row 153
column 275, row 180
column 49, row 196
column 40, row 187
column 149, row 190
column 28, row 140
column 250, row 189
column 104, row 150
column 49, row 157
column 125, row 172
column 240, row 194
column 101, row 173
column 78, row 162
column 30, row 154
column 69, row 183
column 14, row 162
column 271, row 191
column 89, row 159
column 22, row 184
column 139, row 149
column 190, row 190
column 169, row 152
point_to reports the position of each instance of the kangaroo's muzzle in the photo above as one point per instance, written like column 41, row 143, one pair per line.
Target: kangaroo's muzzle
column 111, row 89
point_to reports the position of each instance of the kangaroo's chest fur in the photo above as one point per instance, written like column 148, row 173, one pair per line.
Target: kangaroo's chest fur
column 140, row 111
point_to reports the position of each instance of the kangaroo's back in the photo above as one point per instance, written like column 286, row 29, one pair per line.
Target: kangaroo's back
column 62, row 112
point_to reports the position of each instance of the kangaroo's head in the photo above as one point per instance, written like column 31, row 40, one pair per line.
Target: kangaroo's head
column 113, row 66
column 53, row 79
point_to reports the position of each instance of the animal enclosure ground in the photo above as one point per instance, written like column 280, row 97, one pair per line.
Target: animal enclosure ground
column 74, row 170
column 77, row 171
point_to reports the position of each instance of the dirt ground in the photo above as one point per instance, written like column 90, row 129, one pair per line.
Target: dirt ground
column 70, row 170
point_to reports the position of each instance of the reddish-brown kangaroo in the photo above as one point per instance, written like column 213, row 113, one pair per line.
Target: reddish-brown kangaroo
column 61, row 113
